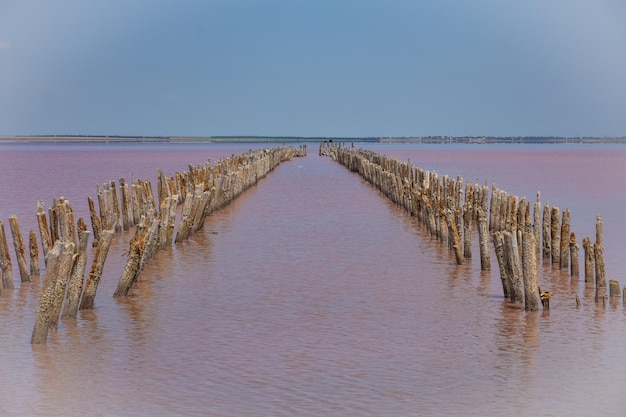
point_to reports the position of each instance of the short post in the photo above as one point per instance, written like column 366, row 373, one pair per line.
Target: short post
column 614, row 290
column 5, row 260
column 590, row 260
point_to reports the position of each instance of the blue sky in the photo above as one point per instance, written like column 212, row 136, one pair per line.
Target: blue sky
column 313, row 68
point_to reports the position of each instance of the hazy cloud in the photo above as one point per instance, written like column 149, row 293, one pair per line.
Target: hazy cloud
column 4, row 44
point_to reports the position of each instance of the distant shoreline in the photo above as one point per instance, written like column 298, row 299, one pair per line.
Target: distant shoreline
column 291, row 139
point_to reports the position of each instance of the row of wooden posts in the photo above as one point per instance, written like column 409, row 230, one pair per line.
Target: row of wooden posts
column 200, row 190
column 451, row 210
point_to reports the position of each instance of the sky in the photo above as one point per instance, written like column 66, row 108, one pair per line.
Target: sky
column 329, row 68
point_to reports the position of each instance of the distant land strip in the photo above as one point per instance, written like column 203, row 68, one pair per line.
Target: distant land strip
column 291, row 139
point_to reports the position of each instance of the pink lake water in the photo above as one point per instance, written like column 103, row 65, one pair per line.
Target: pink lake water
column 313, row 295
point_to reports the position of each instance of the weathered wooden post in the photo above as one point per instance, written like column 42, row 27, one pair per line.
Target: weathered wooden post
column 545, row 298
column 62, row 278
column 514, row 267
column 614, row 290
column 60, row 255
column 598, row 249
column 44, row 231
column 565, row 231
column 573, row 251
column 457, row 246
column 34, row 253
column 135, row 253
column 537, row 222
column 483, row 240
column 18, row 243
column 5, row 260
column 127, row 208
column 77, row 277
column 96, row 225
column 91, row 286
column 498, row 243
column 555, row 235
column 529, row 267
column 467, row 230
column 547, row 235
column 590, row 260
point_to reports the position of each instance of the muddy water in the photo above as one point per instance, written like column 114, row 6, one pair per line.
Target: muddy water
column 310, row 295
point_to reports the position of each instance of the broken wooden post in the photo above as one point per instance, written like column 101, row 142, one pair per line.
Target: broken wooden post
column 97, row 266
column 614, row 290
column 77, row 277
column 5, row 260
column 61, row 254
column 18, row 243
column 34, row 253
column 545, row 298
column 127, row 208
column 63, row 276
column 529, row 268
column 135, row 253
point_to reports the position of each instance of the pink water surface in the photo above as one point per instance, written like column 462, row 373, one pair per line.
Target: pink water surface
column 313, row 295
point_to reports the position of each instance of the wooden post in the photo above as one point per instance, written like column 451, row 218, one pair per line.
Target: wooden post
column 77, row 277
column 127, row 208
column 483, row 239
column 573, row 251
column 34, row 253
column 590, row 260
column 60, row 254
column 545, row 298
column 467, row 230
column 514, row 267
column 135, row 252
column 96, row 225
column 547, row 235
column 598, row 249
column 44, row 231
column 18, row 243
column 614, row 290
column 63, row 276
column 565, row 243
column 457, row 246
column 5, row 260
column 555, row 235
column 537, row 222
column 91, row 286
column 529, row 267
column 498, row 243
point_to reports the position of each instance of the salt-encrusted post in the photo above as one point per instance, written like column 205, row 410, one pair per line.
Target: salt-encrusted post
column 537, row 222
column 135, row 253
column 127, row 208
column 547, row 234
column 34, row 253
column 44, row 231
column 483, row 240
column 555, row 235
column 18, row 243
column 77, row 277
column 565, row 243
column 96, row 225
column 5, row 260
column 60, row 254
column 91, row 286
column 529, row 267
column 63, row 275
column 457, row 246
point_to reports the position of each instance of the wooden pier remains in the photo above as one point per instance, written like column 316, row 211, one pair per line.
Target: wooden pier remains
column 449, row 214
column 190, row 195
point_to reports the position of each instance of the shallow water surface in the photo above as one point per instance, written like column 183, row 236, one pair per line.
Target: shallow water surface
column 309, row 295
